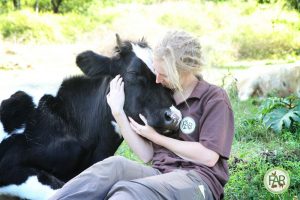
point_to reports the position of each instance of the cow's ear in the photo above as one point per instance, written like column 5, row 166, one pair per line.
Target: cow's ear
column 119, row 42
column 119, row 47
column 123, row 47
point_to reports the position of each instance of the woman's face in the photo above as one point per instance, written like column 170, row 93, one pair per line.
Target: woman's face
column 161, row 75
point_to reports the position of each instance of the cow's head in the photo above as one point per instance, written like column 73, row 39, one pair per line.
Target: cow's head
column 143, row 96
column 133, row 61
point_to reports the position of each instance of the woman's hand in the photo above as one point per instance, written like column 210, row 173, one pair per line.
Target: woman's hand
column 144, row 130
column 116, row 96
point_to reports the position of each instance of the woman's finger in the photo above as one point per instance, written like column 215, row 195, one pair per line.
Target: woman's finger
column 143, row 119
column 119, row 82
column 122, row 86
column 134, row 122
column 108, row 99
column 134, row 128
column 113, row 82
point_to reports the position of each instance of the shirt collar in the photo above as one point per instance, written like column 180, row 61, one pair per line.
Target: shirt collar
column 200, row 88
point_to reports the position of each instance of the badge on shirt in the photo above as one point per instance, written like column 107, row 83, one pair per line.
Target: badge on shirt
column 187, row 125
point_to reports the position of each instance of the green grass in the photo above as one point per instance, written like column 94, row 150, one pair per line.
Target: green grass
column 125, row 151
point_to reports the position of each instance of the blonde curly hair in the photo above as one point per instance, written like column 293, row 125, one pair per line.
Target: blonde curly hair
column 181, row 52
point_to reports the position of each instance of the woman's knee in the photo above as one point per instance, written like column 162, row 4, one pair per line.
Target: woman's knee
column 116, row 161
column 112, row 162
column 124, row 190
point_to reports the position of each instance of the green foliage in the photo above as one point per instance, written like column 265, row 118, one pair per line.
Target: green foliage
column 254, row 43
column 146, row 2
column 182, row 22
column 25, row 27
column 74, row 25
column 43, row 6
column 77, row 6
column 125, row 151
column 281, row 113
column 294, row 4
column 248, row 126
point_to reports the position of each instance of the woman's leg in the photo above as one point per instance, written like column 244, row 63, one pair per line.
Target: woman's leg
column 96, row 181
column 177, row 185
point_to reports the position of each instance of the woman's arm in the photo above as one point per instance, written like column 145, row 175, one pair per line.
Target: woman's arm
column 115, row 99
column 139, row 145
column 191, row 151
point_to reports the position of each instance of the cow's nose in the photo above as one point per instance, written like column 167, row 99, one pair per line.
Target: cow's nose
column 172, row 118
column 168, row 116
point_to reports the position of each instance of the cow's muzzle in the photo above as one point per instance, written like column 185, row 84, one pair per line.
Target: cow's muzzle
column 172, row 118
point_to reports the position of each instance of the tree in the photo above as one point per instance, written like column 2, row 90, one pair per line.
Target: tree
column 55, row 5
column 17, row 4
column 36, row 5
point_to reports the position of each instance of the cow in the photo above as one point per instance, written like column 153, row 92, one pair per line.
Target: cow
column 52, row 142
column 281, row 81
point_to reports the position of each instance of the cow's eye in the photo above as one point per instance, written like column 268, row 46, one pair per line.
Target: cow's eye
column 132, row 72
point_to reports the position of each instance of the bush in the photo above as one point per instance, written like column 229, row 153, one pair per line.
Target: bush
column 281, row 113
column 262, row 44
column 248, row 126
column 74, row 25
column 23, row 27
column 77, row 6
column 181, row 22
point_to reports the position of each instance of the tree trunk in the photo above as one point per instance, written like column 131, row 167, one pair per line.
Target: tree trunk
column 36, row 6
column 55, row 5
column 17, row 4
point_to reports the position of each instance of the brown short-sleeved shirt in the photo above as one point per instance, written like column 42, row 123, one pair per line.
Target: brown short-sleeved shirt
column 208, row 119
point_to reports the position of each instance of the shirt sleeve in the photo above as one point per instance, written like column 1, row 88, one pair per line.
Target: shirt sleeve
column 217, row 126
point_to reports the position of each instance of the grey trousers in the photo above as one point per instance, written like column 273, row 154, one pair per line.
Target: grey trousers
column 119, row 178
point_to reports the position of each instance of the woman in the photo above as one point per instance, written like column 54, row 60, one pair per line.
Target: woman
column 191, row 166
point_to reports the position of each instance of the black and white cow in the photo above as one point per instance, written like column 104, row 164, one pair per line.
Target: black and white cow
column 69, row 132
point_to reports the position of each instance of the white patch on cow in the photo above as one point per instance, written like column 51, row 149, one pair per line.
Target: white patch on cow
column 117, row 128
column 176, row 115
column 145, row 54
column 19, row 130
column 3, row 134
column 201, row 187
column 176, row 111
column 31, row 189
